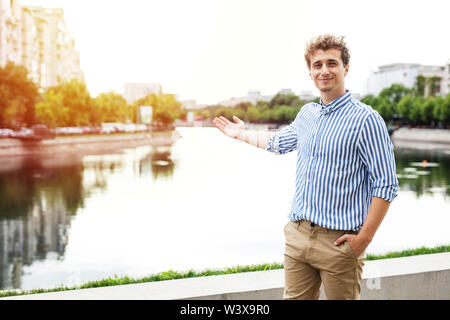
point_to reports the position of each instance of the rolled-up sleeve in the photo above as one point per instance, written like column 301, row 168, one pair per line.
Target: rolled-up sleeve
column 284, row 141
column 377, row 153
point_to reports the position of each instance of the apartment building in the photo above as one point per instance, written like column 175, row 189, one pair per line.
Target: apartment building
column 406, row 74
column 10, row 31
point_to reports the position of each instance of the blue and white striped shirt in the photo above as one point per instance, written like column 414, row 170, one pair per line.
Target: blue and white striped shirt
column 345, row 157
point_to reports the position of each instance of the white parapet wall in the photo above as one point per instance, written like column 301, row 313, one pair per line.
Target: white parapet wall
column 417, row 277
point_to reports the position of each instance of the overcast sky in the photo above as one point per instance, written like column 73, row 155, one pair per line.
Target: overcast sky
column 210, row 50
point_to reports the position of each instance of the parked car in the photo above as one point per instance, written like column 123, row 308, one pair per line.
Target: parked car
column 6, row 133
column 23, row 133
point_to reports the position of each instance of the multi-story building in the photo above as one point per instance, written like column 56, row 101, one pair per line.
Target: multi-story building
column 48, row 50
column 406, row 74
column 135, row 91
column 10, row 32
column 38, row 39
column 252, row 96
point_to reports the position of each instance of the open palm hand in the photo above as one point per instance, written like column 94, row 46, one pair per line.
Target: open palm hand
column 229, row 128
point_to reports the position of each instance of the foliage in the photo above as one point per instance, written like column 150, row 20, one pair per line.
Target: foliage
column 110, row 107
column 411, row 105
column 165, row 108
column 68, row 104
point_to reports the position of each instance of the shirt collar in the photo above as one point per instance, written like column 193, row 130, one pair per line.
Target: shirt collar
column 335, row 104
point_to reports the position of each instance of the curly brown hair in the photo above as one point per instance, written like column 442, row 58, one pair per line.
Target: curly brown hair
column 325, row 42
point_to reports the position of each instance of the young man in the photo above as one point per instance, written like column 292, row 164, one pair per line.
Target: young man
column 345, row 179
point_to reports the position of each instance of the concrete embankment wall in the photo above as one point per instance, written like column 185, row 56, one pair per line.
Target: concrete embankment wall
column 83, row 145
column 417, row 277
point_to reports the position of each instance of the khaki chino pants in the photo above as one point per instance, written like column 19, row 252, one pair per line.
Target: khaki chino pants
column 311, row 258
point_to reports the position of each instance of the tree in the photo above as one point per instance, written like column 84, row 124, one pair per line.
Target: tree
column 110, row 107
column 395, row 93
column 18, row 96
column 165, row 107
column 285, row 100
column 385, row 109
column 431, row 85
column 405, row 106
column 51, row 111
column 253, row 115
column 426, row 110
column 76, row 101
column 419, row 85
column 415, row 113
column 441, row 111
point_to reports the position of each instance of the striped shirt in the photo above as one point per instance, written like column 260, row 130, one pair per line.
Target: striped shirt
column 344, row 158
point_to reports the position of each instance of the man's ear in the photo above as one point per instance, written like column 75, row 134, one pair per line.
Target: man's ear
column 346, row 69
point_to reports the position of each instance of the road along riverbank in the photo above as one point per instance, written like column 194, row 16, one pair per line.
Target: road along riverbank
column 85, row 145
column 421, row 139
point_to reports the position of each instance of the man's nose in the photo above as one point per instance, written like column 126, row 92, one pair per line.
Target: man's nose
column 324, row 69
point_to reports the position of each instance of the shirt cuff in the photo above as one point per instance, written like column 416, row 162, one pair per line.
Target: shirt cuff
column 273, row 143
column 386, row 193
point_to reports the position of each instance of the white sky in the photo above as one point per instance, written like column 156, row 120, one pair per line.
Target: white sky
column 214, row 50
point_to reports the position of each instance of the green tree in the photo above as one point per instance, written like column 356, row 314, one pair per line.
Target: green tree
column 432, row 84
column 419, row 85
column 285, row 100
column 18, row 96
column 415, row 113
column 205, row 114
column 165, row 107
column 110, row 107
column 405, row 106
column 253, row 114
column 426, row 110
column 51, row 111
column 441, row 111
column 395, row 93
column 385, row 109
column 76, row 102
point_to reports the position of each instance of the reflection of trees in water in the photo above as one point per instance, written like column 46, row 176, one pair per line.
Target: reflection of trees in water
column 439, row 176
column 38, row 197
column 158, row 162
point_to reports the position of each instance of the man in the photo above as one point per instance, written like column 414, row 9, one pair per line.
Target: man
column 345, row 179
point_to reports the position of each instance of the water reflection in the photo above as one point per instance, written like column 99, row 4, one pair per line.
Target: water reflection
column 158, row 162
column 40, row 196
column 37, row 198
column 71, row 220
column 424, row 172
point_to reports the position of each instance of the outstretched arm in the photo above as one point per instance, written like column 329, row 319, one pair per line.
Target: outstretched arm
column 236, row 130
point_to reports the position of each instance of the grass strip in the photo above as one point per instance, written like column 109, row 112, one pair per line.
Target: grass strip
column 172, row 275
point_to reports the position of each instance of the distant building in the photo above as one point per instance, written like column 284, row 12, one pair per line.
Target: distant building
column 252, row 96
column 135, row 91
column 38, row 39
column 406, row 74
column 48, row 49
column 286, row 91
column 306, row 96
column 10, row 32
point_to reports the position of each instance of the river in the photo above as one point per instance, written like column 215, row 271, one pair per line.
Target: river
column 206, row 202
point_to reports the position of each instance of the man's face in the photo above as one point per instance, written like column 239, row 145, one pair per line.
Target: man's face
column 327, row 70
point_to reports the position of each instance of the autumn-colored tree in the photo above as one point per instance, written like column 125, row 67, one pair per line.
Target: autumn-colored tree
column 165, row 108
column 110, row 107
column 67, row 104
column 18, row 96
